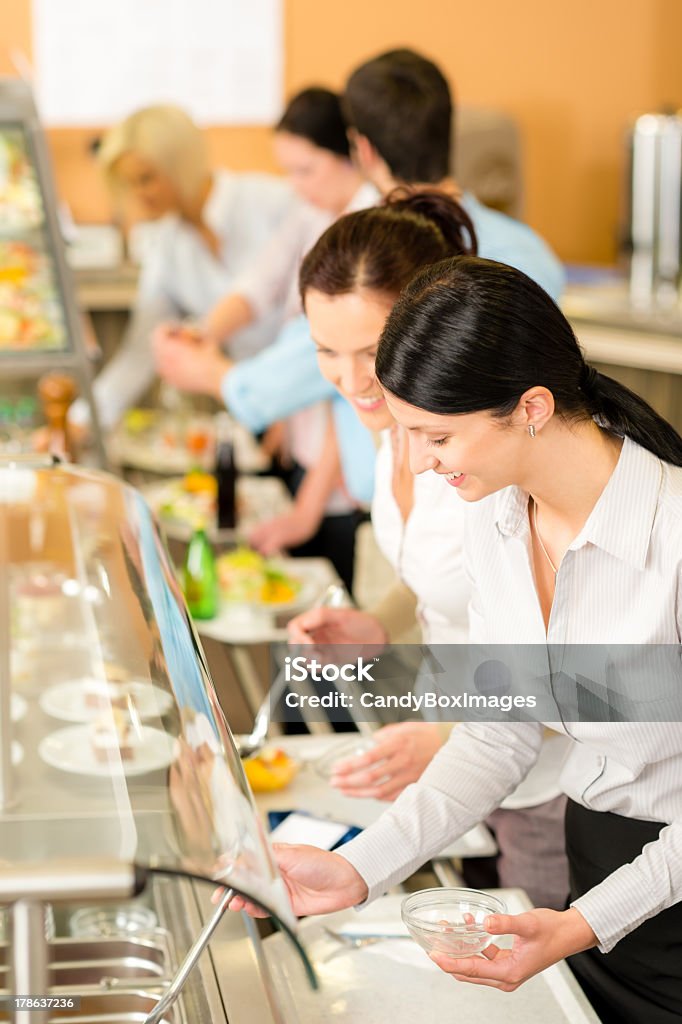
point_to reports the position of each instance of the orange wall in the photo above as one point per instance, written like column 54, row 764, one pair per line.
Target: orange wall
column 572, row 74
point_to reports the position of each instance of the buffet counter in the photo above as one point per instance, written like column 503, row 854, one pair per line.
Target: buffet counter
column 642, row 348
column 393, row 980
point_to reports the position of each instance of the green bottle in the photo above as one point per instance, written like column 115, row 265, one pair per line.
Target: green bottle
column 200, row 577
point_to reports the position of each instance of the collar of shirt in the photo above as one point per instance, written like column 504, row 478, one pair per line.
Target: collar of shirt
column 367, row 195
column 620, row 522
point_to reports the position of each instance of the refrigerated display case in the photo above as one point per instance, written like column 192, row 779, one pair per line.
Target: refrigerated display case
column 119, row 778
column 40, row 327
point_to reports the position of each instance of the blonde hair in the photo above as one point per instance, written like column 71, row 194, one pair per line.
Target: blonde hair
column 167, row 137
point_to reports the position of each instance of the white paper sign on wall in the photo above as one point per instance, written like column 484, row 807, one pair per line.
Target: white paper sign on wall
column 97, row 60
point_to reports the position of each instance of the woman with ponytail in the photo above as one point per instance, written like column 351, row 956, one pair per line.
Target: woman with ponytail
column 573, row 488
column 574, row 537
column 349, row 283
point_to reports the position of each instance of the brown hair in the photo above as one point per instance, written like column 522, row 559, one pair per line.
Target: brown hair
column 401, row 102
column 382, row 248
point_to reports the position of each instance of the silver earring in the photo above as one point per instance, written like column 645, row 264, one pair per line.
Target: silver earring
column 531, row 429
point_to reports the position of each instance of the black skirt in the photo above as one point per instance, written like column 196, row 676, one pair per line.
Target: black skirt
column 640, row 980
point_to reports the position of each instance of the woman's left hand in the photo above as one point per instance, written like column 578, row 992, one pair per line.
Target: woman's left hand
column 541, row 938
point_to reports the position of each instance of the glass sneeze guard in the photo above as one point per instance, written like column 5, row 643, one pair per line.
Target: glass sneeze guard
column 117, row 745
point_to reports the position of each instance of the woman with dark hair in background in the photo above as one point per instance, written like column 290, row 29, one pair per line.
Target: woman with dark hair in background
column 312, row 148
column 576, row 538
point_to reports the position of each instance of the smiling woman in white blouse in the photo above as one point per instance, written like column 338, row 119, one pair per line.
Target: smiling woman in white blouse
column 577, row 539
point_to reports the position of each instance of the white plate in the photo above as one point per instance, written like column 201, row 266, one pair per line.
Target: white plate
column 71, row 751
column 148, row 452
column 255, row 623
column 304, row 597
column 17, row 753
column 66, row 701
column 17, row 707
column 258, row 498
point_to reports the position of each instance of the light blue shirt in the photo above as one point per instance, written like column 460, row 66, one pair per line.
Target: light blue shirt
column 285, row 377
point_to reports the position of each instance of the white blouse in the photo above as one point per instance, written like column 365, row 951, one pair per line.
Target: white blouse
column 619, row 582
column 427, row 552
column 272, row 280
column 181, row 277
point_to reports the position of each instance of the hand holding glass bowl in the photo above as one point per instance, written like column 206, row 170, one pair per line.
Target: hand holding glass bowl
column 451, row 922
column 319, row 882
column 397, row 756
column 328, row 764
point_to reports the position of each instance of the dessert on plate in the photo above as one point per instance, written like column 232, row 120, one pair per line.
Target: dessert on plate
column 113, row 732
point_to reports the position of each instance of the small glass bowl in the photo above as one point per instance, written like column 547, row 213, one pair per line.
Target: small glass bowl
column 325, row 764
column 450, row 921
column 126, row 919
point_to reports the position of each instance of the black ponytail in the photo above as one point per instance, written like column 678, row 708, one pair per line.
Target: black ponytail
column 470, row 334
column 624, row 413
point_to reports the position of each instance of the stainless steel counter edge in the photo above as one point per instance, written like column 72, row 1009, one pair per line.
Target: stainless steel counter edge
column 238, row 971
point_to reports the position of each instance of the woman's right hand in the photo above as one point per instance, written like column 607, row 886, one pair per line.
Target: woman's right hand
column 318, row 882
column 337, row 626
column 189, row 361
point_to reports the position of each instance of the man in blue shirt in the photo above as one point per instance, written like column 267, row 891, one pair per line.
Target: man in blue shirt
column 399, row 107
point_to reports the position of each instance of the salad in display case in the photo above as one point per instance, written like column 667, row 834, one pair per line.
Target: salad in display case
column 31, row 315
column 40, row 325
column 117, row 767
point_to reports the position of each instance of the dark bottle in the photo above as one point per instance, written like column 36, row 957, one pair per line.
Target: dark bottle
column 226, row 478
column 200, row 577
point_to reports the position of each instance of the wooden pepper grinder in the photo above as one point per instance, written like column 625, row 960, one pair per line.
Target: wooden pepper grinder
column 57, row 391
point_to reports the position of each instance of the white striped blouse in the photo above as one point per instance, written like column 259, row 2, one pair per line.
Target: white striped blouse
column 620, row 582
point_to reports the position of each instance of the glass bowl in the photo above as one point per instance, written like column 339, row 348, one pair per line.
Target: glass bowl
column 450, row 921
column 112, row 922
column 326, row 763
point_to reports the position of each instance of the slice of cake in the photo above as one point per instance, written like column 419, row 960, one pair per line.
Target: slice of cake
column 102, row 694
column 110, row 733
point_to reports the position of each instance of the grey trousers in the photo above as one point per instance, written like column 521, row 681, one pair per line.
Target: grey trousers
column 533, row 851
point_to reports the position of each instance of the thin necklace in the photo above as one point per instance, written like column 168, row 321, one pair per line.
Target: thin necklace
column 537, row 534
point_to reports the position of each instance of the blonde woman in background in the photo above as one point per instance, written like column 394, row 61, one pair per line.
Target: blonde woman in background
column 210, row 224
